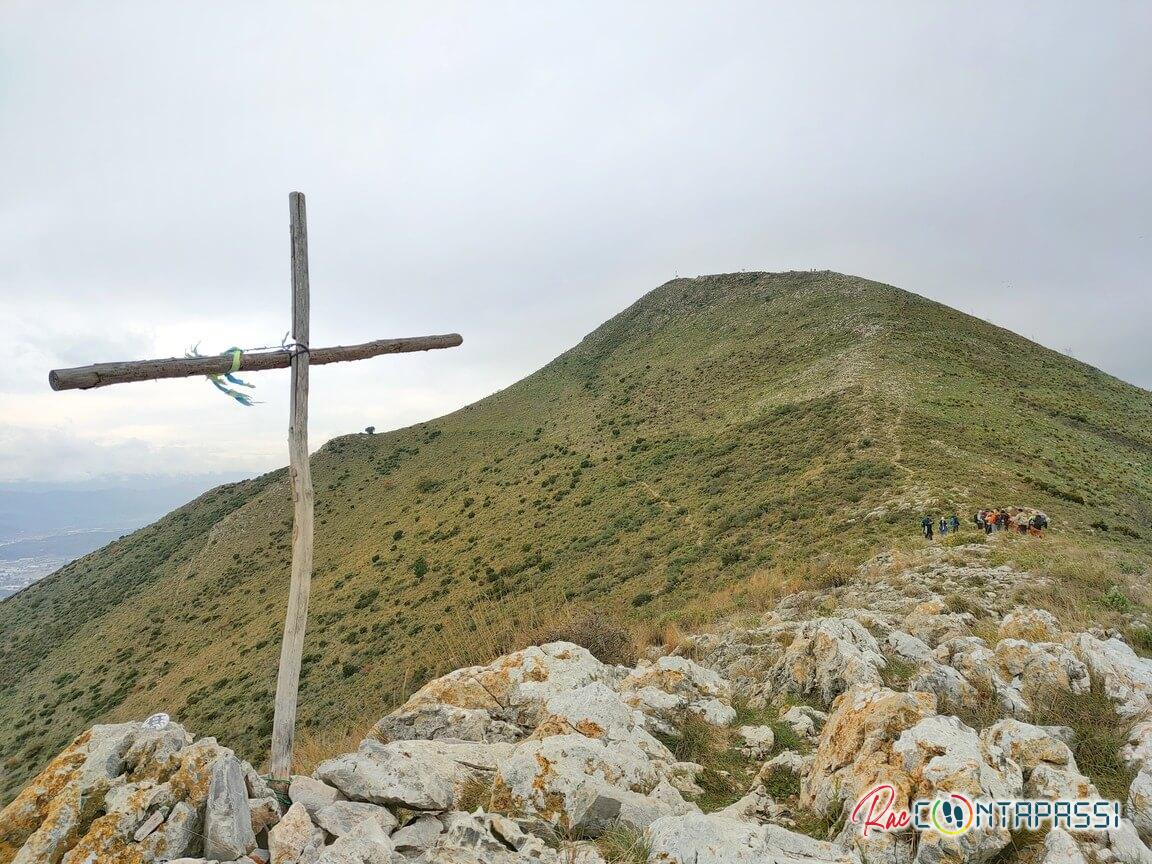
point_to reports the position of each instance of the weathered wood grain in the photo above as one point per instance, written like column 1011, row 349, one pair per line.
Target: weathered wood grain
column 300, row 472
column 104, row 374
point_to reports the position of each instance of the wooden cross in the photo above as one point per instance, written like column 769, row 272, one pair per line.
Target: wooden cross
column 298, row 356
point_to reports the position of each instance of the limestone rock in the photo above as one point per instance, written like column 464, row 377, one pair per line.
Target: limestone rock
column 512, row 688
column 294, row 839
column 312, row 793
column 758, row 741
column 671, row 684
column 1061, row 848
column 418, row 834
column 45, row 818
column 366, row 843
column 1034, row 669
column 582, row 781
column 698, row 839
column 98, row 800
column 1138, row 807
column 1127, row 676
column 421, row 775
column 228, row 830
column 828, row 656
column 942, row 754
column 341, row 817
column 1028, row 745
column 1138, row 750
column 597, row 711
column 908, row 647
column 933, row 623
column 1050, row 782
column 855, row 748
column 804, row 720
column 431, row 721
column 1030, row 625
column 264, row 813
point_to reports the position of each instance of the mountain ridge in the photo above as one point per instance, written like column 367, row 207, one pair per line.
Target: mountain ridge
column 718, row 429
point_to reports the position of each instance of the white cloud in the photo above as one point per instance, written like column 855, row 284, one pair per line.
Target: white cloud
column 520, row 173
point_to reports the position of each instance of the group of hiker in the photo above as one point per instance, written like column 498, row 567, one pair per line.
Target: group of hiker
column 949, row 524
column 1023, row 520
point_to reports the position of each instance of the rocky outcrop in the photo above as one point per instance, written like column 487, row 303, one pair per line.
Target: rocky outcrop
column 545, row 752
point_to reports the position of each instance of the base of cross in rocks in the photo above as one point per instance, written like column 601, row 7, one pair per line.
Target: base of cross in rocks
column 549, row 755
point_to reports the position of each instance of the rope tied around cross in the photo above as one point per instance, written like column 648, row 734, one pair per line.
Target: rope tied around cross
column 293, row 349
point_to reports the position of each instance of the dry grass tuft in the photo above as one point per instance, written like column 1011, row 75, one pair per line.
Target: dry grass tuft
column 623, row 844
column 1087, row 580
column 979, row 711
column 610, row 640
column 313, row 746
column 1024, row 847
column 1100, row 734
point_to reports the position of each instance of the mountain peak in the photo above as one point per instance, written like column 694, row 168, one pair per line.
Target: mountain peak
column 721, row 429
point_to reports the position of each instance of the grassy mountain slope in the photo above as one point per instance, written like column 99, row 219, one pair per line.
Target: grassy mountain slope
column 719, row 428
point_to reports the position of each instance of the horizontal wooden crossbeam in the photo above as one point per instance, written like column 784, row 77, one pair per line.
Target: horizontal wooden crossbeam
column 103, row 374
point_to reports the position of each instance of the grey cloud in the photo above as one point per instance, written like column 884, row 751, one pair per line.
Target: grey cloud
column 519, row 172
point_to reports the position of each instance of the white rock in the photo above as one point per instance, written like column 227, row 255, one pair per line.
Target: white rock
column 1127, row 677
column 1125, row 846
column 1028, row 745
column 228, row 821
column 855, row 749
column 367, row 843
column 827, row 657
column 933, row 622
column 312, row 793
column 431, row 721
column 1034, row 669
column 1138, row 808
column 804, row 720
column 1138, row 750
column 678, row 675
column 341, row 817
column 671, row 684
column 579, row 780
column 1050, row 783
column 294, row 839
column 263, row 814
column 418, row 834
column 942, row 754
column 758, row 741
column 908, row 647
column 514, row 687
column 1061, row 848
column 148, row 826
column 702, row 839
column 421, row 775
column 713, row 711
column 597, row 711
column 951, row 757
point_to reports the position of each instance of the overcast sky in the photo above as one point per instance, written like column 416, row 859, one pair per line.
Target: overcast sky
column 519, row 172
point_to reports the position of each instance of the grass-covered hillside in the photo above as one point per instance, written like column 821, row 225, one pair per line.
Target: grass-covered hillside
column 722, row 429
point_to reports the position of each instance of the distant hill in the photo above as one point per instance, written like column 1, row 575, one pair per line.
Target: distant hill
column 719, row 428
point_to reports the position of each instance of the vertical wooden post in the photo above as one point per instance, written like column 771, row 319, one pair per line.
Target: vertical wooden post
column 296, row 619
